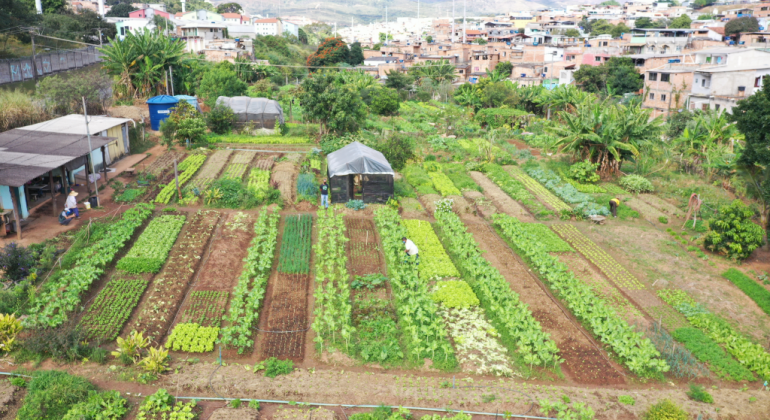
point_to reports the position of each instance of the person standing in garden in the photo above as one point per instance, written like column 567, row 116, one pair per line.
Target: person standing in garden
column 71, row 204
column 325, row 195
column 614, row 203
column 411, row 250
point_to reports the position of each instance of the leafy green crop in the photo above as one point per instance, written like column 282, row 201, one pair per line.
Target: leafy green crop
column 333, row 320
column 635, row 351
column 443, row 184
column 516, row 190
column 192, row 338
column 754, row 290
column 151, row 249
column 423, row 329
column 129, row 195
column 295, row 244
column 112, row 308
column 206, row 307
column 187, row 169
column 708, row 351
column 455, row 294
column 62, row 293
column 434, row 262
column 250, row 290
column 161, row 405
column 238, row 138
column 259, row 183
column 519, row 330
column 566, row 191
column 107, row 405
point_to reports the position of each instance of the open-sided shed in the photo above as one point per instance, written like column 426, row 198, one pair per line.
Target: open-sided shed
column 359, row 172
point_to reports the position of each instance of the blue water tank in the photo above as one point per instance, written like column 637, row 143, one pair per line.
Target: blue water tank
column 192, row 100
column 160, row 107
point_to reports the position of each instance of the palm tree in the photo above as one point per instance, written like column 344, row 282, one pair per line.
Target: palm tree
column 437, row 71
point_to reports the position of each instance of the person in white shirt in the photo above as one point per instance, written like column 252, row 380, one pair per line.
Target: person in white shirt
column 411, row 249
column 71, row 205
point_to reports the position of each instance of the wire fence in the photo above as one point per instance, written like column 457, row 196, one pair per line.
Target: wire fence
column 20, row 69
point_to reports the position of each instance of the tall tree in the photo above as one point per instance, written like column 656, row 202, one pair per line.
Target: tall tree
column 120, row 10
column 752, row 116
column 356, row 55
column 229, row 8
column 682, row 22
column 398, row 80
column 644, row 23
column 330, row 52
column 15, row 13
column 743, row 24
column 337, row 106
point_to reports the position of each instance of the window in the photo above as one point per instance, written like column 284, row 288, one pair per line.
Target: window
column 597, row 59
column 758, row 82
column 703, row 82
column 652, row 77
column 716, row 107
column 665, row 77
column 652, row 96
column 663, row 98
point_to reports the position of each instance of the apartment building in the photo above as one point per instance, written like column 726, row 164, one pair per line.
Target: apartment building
column 667, row 89
column 268, row 26
column 740, row 75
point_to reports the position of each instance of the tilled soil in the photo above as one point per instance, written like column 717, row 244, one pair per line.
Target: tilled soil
column 662, row 205
column 583, row 361
column 164, row 162
column 363, row 247
column 648, row 212
column 283, row 174
column 161, row 302
column 503, row 201
column 286, row 320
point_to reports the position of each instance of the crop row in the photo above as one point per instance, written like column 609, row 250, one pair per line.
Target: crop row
column 547, row 237
column 333, row 321
column 169, row 286
column 751, row 355
column 459, row 176
column 751, row 288
column 515, row 189
column 567, row 192
column 708, row 351
column 425, row 335
column 636, row 352
column 210, row 171
column 235, row 171
column 246, row 139
column 592, row 252
column 206, row 308
column 540, row 191
column 259, row 183
column 250, row 290
column 519, row 329
column 186, row 170
column 418, row 178
column 151, row 249
column 192, row 338
column 112, row 307
column 62, row 293
column 243, row 156
column 163, row 162
column 443, row 184
column 434, row 261
column 295, row 244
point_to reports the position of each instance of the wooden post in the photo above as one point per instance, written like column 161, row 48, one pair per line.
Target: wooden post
column 176, row 178
column 16, row 211
column 53, row 192
column 104, row 161
column 65, row 180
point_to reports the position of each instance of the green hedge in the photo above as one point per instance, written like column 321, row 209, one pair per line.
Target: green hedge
column 708, row 351
column 754, row 290
column 498, row 117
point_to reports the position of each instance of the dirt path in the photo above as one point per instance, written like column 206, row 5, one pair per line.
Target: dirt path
column 584, row 363
column 503, row 201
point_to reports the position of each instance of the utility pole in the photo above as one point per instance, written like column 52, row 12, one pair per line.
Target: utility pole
column 34, row 60
column 100, row 38
column 387, row 28
column 171, row 73
column 88, row 133
column 418, row 9
column 39, row 7
column 465, row 3
column 453, row 21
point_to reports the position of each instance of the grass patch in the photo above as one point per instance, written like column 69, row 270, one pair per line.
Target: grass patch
column 708, row 351
column 459, row 176
column 751, row 288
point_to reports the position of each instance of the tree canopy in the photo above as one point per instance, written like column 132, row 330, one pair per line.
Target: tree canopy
column 618, row 74
column 229, row 8
column 356, row 55
column 743, row 24
column 120, row 10
column 682, row 22
column 330, row 52
column 327, row 99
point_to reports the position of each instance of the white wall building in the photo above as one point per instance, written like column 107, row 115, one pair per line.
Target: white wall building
column 269, row 26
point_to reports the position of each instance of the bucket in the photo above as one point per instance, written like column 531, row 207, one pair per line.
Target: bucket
column 88, row 205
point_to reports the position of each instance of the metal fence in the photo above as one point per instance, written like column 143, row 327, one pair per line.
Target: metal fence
column 20, row 69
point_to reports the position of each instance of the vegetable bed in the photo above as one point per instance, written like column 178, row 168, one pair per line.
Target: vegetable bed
column 186, row 170
column 295, row 244
column 206, row 308
column 515, row 189
column 758, row 293
column 192, row 338
column 239, row 138
column 151, row 249
column 434, row 261
column 112, row 307
column 250, row 291
column 540, row 191
column 443, row 184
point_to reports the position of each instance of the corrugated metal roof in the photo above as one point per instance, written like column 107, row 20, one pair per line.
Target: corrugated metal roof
column 27, row 154
column 76, row 124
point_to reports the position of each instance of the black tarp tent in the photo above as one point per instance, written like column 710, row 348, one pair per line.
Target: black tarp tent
column 369, row 166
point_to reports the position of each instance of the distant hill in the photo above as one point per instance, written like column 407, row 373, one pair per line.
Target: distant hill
column 364, row 11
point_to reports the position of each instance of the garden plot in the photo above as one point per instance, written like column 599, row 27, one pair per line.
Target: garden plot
column 211, row 169
column 662, row 205
column 113, row 305
column 649, row 213
column 434, row 261
column 186, row 170
column 583, row 362
column 480, row 205
column 238, row 165
column 363, row 248
column 542, row 193
column 159, row 306
column 164, row 162
column 500, row 199
column 283, row 175
column 265, row 163
column 285, row 324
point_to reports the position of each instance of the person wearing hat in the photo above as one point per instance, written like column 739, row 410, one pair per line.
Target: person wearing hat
column 411, row 250
column 71, row 205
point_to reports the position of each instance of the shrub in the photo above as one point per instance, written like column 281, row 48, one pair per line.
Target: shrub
column 51, row 394
column 636, row 184
column 384, row 101
column 16, row 262
column 698, row 393
column 663, row 219
column 66, row 342
column 584, row 171
column 275, row 367
column 9, row 327
column 398, row 148
column 220, row 119
column 626, row 399
column 355, row 205
column 665, row 410
column 220, row 81
column 733, row 233
column 156, row 361
column 108, row 405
